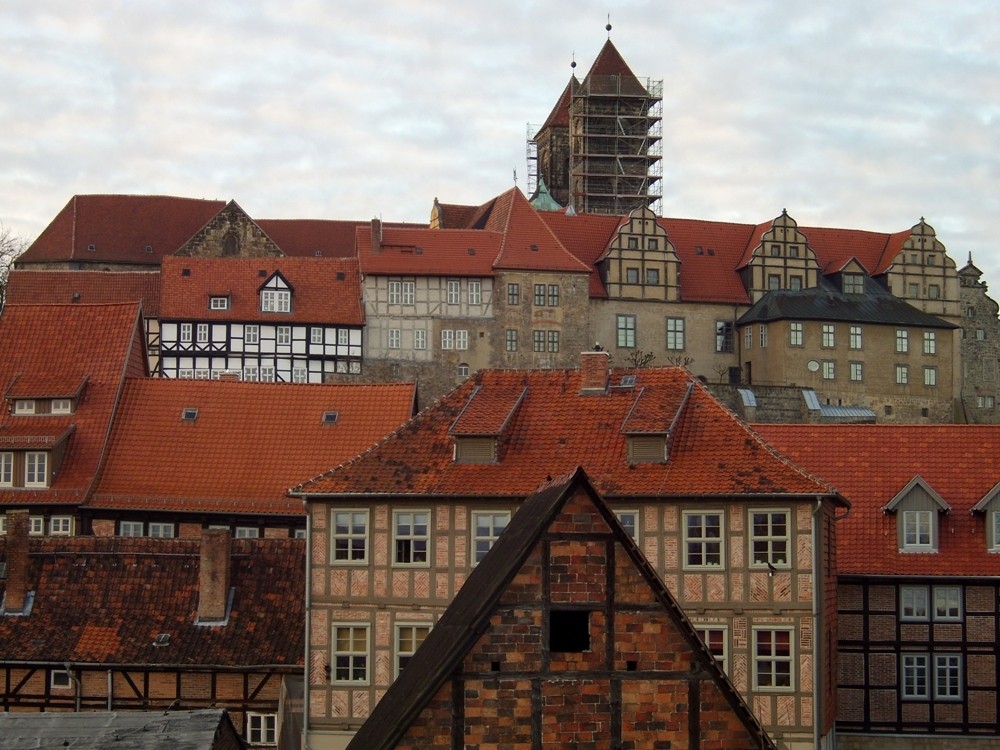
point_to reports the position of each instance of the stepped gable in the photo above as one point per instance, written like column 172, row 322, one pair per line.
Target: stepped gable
column 247, row 443
column 528, row 243
column 105, row 599
column 86, row 287
column 325, row 290
column 137, row 229
column 500, row 611
column 77, row 351
column 556, row 427
column 870, row 464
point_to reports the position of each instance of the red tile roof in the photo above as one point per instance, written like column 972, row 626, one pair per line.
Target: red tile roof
column 312, row 238
column 870, row 464
column 249, row 443
column 528, row 243
column 325, row 290
column 428, row 252
column 88, row 287
column 555, row 429
column 105, row 599
column 559, row 116
column 120, row 228
column 68, row 343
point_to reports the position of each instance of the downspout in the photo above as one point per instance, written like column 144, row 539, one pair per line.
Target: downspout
column 111, row 690
column 77, row 685
column 305, row 674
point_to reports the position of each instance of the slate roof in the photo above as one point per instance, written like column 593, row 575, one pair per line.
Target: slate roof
column 870, row 464
column 324, row 290
column 555, row 428
column 876, row 305
column 248, row 444
column 69, row 344
column 103, row 600
column 87, row 287
column 469, row 613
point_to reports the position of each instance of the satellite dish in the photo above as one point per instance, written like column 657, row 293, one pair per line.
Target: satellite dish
column 813, row 365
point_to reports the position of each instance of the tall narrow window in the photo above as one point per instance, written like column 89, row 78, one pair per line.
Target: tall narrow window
column 553, row 295
column 626, row 331
column 769, row 537
column 411, row 537
column 930, row 342
column 454, row 292
column 475, row 292
column 915, row 676
column 447, row 339
column 902, row 341
column 350, row 653
column 408, row 640
column 6, row 469
column 918, row 530
column 35, row 469
column 486, row 529
column 349, row 536
column 723, row 336
column 553, row 337
column 675, row 334
column 420, row 339
column 829, row 336
column 702, row 540
column 513, row 294
column 855, row 337
column 795, row 334
column 773, row 659
column 540, row 294
column 409, row 292
column 461, row 339
column 510, row 339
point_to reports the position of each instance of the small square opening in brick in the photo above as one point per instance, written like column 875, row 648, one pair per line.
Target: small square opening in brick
column 631, row 666
column 569, row 631
column 495, row 666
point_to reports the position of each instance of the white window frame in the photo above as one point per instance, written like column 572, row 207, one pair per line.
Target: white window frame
column 930, row 342
column 706, row 545
column 218, row 303
column 3, row 525
column 395, row 338
column 161, row 530
column 251, row 374
column 916, row 525
column 251, row 334
column 913, row 667
column 447, row 339
column 675, row 334
column 395, row 292
column 6, row 469
column 930, row 377
column 947, row 603
column 409, row 292
column 60, row 679
column 409, row 637
column 187, row 331
column 768, row 679
column 275, row 300
column 24, row 406
column 902, row 341
column 201, row 332
column 61, row 526
column 763, row 335
column 475, row 292
column 948, row 677
column 348, row 660
column 300, row 374
column 62, row 406
column 349, row 536
column 405, row 531
column 748, row 337
column 768, row 544
column 716, row 638
column 454, row 292
column 130, row 528
column 462, row 338
column 914, row 604
column 629, row 520
column 420, row 339
column 36, row 469
column 316, row 335
column 487, row 526
column 794, row 334
column 829, row 340
column 855, row 338
column 247, row 532
column 262, row 729
column 283, row 335
column 36, row 526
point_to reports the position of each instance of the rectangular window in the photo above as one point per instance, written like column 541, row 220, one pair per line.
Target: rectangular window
column 933, row 291
column 513, row 294
column 186, row 333
column 629, row 520
column 202, row 333
column 24, row 406
column 715, row 639
column 947, row 603
column 262, row 729
column 201, row 374
column 795, row 334
column 763, row 335
column 538, row 341
column 723, row 336
column 300, row 375
column 36, row 526
column 395, row 292
column 394, row 338
column 315, row 335
column 553, row 341
column 486, row 528
column 284, row 335
column 510, row 339
column 918, row 532
column 130, row 528
column 61, row 526
column 420, row 339
column 829, row 336
column 854, row 283
column 251, row 374
column 454, row 292
column 553, row 295
column 475, row 292
column 539, row 294
column 631, row 275
column 902, row 374
column 343, row 337
column 947, row 676
column 411, row 537
column 930, row 376
column 461, row 339
column 6, row 469
column 218, row 303
column 62, row 406
column 267, row 374
column 652, row 276
column 409, row 292
column 795, row 283
column 914, row 682
column 36, row 469
column 652, row 244
column 349, row 536
column 275, row 300
column 675, row 334
column 980, row 334
column 251, row 334
column 913, row 603
column 773, row 282
column 247, row 532
column 855, row 337
column 702, row 540
column 60, row 679
column 829, row 369
column 857, row 372
column 913, row 290
column 930, row 342
column 902, row 341
column 769, row 537
column 626, row 331
column 772, row 663
column 447, row 339
column 163, row 530
column 748, row 337
column 350, row 653
column 408, row 640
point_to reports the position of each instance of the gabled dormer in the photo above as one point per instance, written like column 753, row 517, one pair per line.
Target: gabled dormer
column 640, row 261
column 231, row 234
column 850, row 277
column 478, row 429
column 922, row 273
column 918, row 509
column 275, row 294
column 650, row 423
column 782, row 259
column 989, row 509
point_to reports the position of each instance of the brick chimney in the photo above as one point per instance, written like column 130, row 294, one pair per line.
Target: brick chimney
column 17, row 562
column 594, row 372
column 376, row 236
column 213, row 579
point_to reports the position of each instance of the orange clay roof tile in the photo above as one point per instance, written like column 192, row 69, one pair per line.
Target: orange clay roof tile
column 428, row 252
column 870, row 464
column 88, row 287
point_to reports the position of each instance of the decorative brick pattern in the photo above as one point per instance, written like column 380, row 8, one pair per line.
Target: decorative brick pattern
column 803, row 551
column 716, row 587
column 786, row 710
column 735, row 555
column 759, row 587
column 736, row 516
column 804, row 588
column 782, row 582
column 421, row 584
column 693, row 588
column 359, row 582
column 762, row 709
column 338, row 582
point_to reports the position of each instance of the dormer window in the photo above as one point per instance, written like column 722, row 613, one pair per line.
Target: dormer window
column 6, row 469
column 918, row 530
column 853, row 283
column 918, row 508
column 62, row 406
column 36, row 469
column 24, row 406
column 647, row 449
column 480, row 449
column 218, row 303
column 276, row 300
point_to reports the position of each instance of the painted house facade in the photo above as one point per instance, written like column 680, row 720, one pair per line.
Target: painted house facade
column 742, row 537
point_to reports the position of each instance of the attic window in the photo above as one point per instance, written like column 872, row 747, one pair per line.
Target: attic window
column 161, row 640
column 319, row 253
column 647, row 449
column 711, row 251
column 149, row 248
column 76, row 296
column 185, row 272
column 418, row 250
column 218, row 303
column 472, row 251
column 628, row 381
column 189, row 414
column 534, row 248
column 262, row 273
column 91, row 247
column 340, row 275
column 330, row 417
column 24, row 406
column 699, row 250
column 475, row 449
column 569, row 631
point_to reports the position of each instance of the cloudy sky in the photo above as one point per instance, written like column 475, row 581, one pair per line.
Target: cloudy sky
column 848, row 113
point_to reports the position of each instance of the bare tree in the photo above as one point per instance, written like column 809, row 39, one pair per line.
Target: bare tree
column 11, row 246
column 638, row 358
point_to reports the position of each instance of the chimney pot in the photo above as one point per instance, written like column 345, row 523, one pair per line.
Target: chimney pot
column 17, row 561
column 213, row 578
